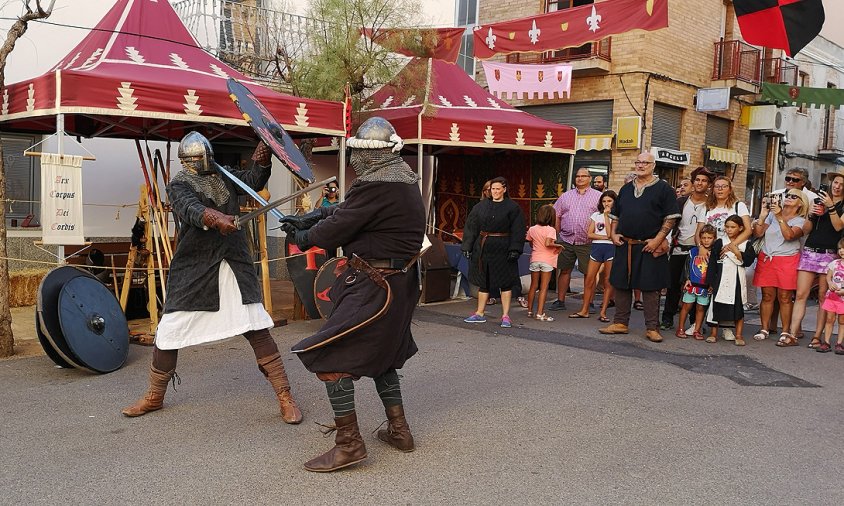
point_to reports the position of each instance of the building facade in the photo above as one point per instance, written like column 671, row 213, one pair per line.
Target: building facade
column 653, row 81
column 812, row 136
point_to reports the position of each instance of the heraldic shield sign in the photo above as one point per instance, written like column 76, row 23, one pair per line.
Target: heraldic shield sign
column 270, row 131
column 80, row 323
column 325, row 278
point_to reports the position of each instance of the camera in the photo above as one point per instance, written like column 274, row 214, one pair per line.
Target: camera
column 773, row 198
column 331, row 189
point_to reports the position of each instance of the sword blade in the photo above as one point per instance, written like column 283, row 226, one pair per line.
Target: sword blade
column 240, row 220
column 248, row 189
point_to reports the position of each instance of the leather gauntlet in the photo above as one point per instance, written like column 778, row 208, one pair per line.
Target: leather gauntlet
column 262, row 155
column 223, row 222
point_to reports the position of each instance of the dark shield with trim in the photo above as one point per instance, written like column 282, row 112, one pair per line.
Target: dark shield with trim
column 81, row 321
column 269, row 130
column 325, row 278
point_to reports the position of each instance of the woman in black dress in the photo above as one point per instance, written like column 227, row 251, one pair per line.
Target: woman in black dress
column 493, row 240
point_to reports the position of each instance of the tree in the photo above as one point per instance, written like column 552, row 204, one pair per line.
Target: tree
column 335, row 53
column 7, row 339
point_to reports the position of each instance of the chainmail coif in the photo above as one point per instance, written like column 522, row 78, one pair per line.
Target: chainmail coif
column 381, row 165
column 209, row 185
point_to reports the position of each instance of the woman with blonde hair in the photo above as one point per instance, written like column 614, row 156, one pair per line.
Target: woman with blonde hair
column 782, row 222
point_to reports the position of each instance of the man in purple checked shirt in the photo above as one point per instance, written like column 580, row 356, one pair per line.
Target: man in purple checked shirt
column 573, row 209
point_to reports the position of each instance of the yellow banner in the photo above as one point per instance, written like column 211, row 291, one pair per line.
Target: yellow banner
column 628, row 132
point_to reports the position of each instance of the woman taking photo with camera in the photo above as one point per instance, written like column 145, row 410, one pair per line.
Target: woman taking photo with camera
column 782, row 222
column 818, row 251
column 330, row 196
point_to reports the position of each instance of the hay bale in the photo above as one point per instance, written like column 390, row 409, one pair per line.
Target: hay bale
column 23, row 286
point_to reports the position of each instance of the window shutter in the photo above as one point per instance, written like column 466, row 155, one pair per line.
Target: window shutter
column 588, row 117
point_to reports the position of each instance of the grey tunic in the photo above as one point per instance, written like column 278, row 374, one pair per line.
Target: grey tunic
column 192, row 281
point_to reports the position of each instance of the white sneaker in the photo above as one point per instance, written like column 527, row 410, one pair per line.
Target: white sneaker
column 690, row 331
column 728, row 335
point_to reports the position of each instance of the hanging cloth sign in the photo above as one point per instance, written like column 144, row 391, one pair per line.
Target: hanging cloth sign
column 61, row 199
column 786, row 95
column 569, row 27
column 535, row 81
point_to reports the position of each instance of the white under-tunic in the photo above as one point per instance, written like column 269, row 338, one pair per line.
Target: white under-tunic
column 186, row 328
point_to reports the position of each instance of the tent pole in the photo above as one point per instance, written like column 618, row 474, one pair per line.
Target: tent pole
column 419, row 164
column 341, row 177
column 60, row 138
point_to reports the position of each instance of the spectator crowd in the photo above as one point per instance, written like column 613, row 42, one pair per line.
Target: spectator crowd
column 693, row 250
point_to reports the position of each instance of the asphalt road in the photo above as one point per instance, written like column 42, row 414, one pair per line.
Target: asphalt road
column 543, row 413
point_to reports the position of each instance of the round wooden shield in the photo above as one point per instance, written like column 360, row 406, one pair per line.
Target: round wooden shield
column 93, row 324
column 325, row 278
column 269, row 130
column 48, row 348
column 47, row 321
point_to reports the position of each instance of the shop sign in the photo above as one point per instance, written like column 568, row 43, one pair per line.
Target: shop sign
column 665, row 155
column 628, row 132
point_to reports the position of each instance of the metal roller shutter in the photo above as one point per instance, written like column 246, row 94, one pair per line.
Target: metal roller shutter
column 717, row 132
column 667, row 123
column 758, row 151
column 588, row 117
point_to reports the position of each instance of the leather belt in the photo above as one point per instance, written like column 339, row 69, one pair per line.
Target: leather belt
column 484, row 235
column 630, row 257
column 819, row 250
column 387, row 263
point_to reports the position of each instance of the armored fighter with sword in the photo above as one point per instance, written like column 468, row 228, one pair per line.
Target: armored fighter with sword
column 381, row 226
column 213, row 291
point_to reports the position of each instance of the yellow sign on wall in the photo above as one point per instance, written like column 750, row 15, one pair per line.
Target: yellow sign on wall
column 628, row 132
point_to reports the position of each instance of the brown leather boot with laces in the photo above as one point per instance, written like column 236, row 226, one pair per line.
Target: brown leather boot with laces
column 348, row 447
column 397, row 434
column 153, row 400
column 273, row 369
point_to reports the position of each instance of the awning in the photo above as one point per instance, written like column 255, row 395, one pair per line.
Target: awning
column 600, row 142
column 724, row 155
column 786, row 95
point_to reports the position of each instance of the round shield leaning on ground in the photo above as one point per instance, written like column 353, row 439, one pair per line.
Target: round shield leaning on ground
column 81, row 322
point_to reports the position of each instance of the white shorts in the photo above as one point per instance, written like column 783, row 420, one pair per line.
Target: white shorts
column 540, row 267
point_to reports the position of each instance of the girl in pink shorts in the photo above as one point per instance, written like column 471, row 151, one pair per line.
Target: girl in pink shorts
column 543, row 258
column 834, row 302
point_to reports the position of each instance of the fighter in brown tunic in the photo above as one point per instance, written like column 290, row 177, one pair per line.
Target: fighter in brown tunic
column 380, row 225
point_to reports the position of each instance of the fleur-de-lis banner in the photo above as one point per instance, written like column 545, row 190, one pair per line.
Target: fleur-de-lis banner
column 518, row 80
column 786, row 25
column 570, row 27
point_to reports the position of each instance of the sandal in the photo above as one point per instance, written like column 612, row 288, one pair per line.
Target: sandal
column 761, row 335
column 530, row 314
column 543, row 318
column 823, row 348
column 638, row 305
column 739, row 341
column 578, row 315
column 491, row 301
column 522, row 301
column 681, row 333
column 787, row 339
column 711, row 339
column 603, row 319
column 839, row 349
column 698, row 336
column 815, row 344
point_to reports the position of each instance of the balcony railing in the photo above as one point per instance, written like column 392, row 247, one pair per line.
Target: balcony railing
column 779, row 71
column 737, row 60
column 600, row 49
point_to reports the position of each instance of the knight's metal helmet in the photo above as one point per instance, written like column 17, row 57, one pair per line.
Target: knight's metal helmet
column 196, row 154
column 376, row 133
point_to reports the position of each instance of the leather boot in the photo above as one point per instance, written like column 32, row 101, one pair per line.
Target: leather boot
column 397, row 434
column 154, row 398
column 273, row 369
column 348, row 447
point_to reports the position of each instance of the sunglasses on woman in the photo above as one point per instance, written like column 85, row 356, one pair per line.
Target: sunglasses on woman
column 792, row 196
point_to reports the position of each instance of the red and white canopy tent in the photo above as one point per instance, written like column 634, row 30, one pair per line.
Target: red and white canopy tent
column 141, row 74
column 433, row 102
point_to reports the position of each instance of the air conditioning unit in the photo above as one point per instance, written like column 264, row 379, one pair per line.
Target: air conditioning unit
column 766, row 119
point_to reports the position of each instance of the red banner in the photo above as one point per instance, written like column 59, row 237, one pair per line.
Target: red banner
column 569, row 27
column 439, row 43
